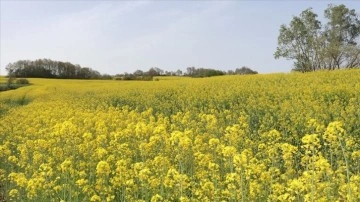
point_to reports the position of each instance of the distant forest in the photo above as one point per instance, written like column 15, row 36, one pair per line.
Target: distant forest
column 46, row 68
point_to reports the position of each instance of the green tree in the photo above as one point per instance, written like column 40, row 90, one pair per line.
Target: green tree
column 313, row 46
column 244, row 70
column 300, row 41
column 341, row 32
column 46, row 68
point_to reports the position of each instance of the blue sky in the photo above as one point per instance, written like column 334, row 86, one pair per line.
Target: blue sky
column 123, row 36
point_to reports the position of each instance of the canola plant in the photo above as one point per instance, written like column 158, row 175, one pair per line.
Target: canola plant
column 276, row 137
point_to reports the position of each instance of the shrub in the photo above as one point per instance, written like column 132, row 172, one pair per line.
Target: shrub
column 22, row 81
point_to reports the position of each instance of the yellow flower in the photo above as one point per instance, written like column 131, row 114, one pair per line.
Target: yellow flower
column 229, row 151
column 95, row 198
column 226, row 138
column 213, row 142
column 144, row 174
column 296, row 187
column 156, row 198
column 13, row 159
column 19, row 179
column 101, row 153
column 81, row 182
column 65, row 165
column 14, row 194
column 103, row 168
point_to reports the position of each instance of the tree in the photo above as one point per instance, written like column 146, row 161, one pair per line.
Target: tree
column 314, row 47
column 178, row 72
column 153, row 72
column 190, row 70
column 158, row 70
column 300, row 41
column 10, row 69
column 341, row 32
column 45, row 68
column 138, row 73
column 245, row 70
column 203, row 72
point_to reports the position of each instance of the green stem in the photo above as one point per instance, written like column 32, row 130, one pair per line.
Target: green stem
column 347, row 169
column 313, row 174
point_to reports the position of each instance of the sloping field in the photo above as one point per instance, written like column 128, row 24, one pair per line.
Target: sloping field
column 277, row 137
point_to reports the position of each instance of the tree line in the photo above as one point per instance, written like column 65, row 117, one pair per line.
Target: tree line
column 315, row 46
column 46, row 68
column 190, row 72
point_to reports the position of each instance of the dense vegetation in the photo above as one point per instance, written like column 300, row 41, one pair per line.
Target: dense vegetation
column 313, row 46
column 279, row 137
column 11, row 83
column 46, row 68
column 190, row 72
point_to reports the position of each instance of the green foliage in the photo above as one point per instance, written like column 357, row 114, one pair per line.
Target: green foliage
column 342, row 32
column 22, row 81
column 10, row 85
column 313, row 46
column 140, row 75
column 5, row 87
column 203, row 72
column 244, row 70
column 45, row 68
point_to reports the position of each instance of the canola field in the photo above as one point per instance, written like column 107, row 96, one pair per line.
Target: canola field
column 276, row 137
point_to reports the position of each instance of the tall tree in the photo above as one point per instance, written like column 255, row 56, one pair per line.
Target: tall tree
column 314, row 47
column 299, row 41
column 341, row 32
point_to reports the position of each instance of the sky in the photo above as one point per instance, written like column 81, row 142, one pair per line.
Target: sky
column 122, row 36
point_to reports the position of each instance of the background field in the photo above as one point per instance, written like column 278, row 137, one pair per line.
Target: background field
column 282, row 137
